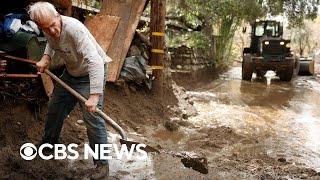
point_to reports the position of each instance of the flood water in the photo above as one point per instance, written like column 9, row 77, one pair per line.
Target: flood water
column 243, row 128
column 284, row 117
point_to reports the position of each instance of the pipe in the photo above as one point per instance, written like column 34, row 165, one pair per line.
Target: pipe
column 19, row 75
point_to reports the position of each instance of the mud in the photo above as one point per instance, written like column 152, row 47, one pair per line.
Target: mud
column 246, row 130
column 194, row 161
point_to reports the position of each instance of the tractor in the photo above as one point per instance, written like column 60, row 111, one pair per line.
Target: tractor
column 269, row 51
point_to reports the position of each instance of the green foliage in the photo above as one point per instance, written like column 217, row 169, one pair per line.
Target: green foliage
column 191, row 39
column 91, row 3
column 295, row 10
column 303, row 40
column 223, row 17
column 219, row 19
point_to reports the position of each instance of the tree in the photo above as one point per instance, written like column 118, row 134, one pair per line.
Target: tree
column 219, row 19
column 295, row 10
column 304, row 39
column 222, row 17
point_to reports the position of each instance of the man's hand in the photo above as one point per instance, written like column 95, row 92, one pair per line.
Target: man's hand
column 43, row 63
column 92, row 102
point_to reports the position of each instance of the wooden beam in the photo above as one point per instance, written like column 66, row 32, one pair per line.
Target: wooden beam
column 157, row 38
column 103, row 28
column 129, row 11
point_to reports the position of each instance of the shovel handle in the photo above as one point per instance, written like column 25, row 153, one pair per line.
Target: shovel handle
column 82, row 99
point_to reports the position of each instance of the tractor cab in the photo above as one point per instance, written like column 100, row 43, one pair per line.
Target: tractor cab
column 268, row 28
column 266, row 38
column 263, row 31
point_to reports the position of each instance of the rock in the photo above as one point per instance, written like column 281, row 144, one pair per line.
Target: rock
column 194, row 161
column 184, row 116
column 191, row 102
column 181, row 122
column 235, row 154
column 304, row 176
column 81, row 137
column 184, row 123
column 190, row 111
column 283, row 160
column 80, row 122
column 171, row 125
column 267, row 176
column 176, row 110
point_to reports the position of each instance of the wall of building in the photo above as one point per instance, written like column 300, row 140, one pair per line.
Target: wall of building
column 184, row 58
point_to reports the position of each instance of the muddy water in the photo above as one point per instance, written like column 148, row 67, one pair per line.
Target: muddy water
column 283, row 117
column 243, row 128
column 264, row 129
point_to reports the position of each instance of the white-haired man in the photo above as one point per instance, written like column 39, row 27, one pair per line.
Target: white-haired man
column 85, row 63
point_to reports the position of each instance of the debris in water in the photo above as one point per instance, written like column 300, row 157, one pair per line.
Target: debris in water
column 283, row 160
column 194, row 161
column 171, row 125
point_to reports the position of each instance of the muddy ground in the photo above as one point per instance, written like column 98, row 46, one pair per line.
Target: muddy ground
column 247, row 130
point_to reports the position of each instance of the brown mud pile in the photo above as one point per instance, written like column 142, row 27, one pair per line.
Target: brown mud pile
column 134, row 109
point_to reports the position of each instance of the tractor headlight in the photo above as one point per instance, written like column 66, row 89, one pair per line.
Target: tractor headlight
column 281, row 43
column 266, row 42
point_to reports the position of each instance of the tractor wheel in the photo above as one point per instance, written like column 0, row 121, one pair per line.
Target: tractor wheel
column 260, row 73
column 247, row 68
column 287, row 74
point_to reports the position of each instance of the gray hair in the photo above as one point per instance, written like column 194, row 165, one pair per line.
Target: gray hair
column 40, row 10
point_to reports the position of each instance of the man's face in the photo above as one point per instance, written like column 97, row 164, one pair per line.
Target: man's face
column 51, row 25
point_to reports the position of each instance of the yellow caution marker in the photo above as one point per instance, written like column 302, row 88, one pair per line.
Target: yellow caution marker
column 162, row 34
column 157, row 67
column 159, row 51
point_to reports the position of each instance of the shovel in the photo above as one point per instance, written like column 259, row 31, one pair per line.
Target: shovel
column 190, row 160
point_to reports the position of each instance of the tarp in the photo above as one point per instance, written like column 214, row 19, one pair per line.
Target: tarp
column 134, row 70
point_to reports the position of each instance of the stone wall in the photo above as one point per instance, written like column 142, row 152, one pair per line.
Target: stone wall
column 184, row 58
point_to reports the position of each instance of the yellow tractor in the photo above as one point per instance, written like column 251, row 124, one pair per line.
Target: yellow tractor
column 270, row 51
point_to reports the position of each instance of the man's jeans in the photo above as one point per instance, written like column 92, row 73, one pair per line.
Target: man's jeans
column 62, row 103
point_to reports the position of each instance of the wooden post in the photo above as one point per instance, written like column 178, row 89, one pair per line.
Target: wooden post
column 157, row 39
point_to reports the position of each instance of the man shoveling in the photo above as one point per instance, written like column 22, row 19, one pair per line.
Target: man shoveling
column 85, row 63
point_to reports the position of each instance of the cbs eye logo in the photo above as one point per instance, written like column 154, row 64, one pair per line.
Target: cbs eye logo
column 28, row 151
